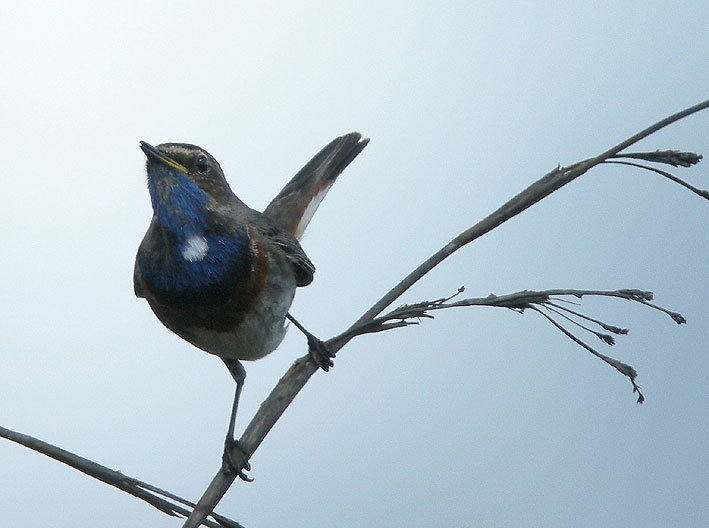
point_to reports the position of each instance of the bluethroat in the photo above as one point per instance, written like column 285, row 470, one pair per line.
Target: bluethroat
column 220, row 274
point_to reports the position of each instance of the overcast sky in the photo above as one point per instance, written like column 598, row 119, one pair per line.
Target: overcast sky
column 481, row 417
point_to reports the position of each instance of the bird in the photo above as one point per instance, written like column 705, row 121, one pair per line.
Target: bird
column 222, row 275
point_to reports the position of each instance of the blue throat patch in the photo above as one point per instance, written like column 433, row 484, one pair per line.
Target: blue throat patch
column 177, row 200
column 177, row 273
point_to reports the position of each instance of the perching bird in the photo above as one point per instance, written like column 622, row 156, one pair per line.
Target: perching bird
column 220, row 274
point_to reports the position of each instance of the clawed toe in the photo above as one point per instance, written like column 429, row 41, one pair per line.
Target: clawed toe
column 230, row 466
column 320, row 353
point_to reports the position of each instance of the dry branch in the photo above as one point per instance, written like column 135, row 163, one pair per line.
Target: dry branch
column 297, row 376
column 166, row 502
column 547, row 303
column 668, row 157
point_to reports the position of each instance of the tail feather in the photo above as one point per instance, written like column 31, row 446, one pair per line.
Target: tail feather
column 296, row 204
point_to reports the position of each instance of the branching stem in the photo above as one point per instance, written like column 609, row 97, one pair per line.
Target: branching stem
column 371, row 321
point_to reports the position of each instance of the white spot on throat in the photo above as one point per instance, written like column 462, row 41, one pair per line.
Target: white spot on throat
column 195, row 248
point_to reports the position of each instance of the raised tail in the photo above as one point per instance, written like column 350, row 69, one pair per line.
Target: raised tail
column 296, row 204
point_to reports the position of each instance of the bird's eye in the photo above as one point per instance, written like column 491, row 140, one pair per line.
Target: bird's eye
column 202, row 164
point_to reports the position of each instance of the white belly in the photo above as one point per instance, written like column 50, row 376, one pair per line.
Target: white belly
column 260, row 331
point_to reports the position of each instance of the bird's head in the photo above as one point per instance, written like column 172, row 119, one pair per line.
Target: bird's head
column 184, row 181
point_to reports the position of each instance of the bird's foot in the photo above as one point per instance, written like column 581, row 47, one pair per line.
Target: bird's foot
column 320, row 353
column 233, row 453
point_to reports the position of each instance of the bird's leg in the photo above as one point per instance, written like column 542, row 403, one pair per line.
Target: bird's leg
column 318, row 350
column 237, row 371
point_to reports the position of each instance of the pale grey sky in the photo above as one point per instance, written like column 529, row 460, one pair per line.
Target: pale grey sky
column 480, row 418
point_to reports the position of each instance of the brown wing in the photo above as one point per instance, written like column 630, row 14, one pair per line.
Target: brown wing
column 302, row 266
column 295, row 205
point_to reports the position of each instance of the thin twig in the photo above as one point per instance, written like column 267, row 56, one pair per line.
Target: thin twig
column 676, row 317
column 539, row 190
column 676, row 158
column 605, row 326
column 534, row 300
column 144, row 491
column 700, row 192
column 621, row 367
column 606, row 338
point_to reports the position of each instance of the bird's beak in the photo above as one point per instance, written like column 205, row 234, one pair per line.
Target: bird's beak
column 153, row 153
